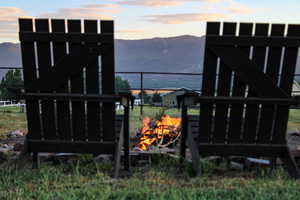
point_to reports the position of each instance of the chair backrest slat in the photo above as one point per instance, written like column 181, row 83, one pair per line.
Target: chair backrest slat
column 108, row 84
column 30, row 74
column 223, row 89
column 208, row 87
column 252, row 111
column 238, row 90
column 92, row 87
column 63, row 108
column 78, row 110
column 44, row 65
column 272, row 70
column 286, row 83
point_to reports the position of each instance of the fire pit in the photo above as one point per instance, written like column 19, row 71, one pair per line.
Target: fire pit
column 160, row 133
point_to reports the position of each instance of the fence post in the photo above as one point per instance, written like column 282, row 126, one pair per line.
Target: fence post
column 142, row 93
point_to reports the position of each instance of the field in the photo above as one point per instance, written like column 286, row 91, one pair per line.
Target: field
column 163, row 179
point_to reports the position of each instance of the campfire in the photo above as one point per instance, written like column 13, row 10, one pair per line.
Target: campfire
column 160, row 133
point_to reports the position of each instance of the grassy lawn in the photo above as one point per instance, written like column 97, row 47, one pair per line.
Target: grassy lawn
column 163, row 179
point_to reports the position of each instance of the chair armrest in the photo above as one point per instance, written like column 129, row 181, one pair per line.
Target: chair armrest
column 187, row 99
column 71, row 97
column 127, row 99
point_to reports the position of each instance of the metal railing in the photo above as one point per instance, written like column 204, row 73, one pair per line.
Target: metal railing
column 140, row 85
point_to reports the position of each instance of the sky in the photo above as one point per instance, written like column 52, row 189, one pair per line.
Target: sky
column 137, row 19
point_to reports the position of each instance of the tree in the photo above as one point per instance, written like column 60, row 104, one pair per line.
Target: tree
column 146, row 97
column 156, row 98
column 122, row 85
column 12, row 79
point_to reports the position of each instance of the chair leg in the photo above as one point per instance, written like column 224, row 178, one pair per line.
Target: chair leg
column 118, row 155
column 195, row 154
column 126, row 139
column 35, row 160
column 291, row 165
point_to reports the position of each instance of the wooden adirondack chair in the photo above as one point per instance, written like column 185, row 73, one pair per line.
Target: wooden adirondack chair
column 246, row 94
column 67, row 109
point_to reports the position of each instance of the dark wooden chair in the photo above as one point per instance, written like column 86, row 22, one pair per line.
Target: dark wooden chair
column 246, row 94
column 70, row 108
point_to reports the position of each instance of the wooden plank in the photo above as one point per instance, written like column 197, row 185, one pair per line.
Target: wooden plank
column 108, row 82
column 44, row 64
column 244, row 100
column 208, row 86
column 92, row 87
column 73, row 97
column 126, row 124
column 252, row 110
column 258, row 41
column 286, row 83
column 184, row 131
column 238, row 90
column 224, row 85
column 61, row 37
column 242, row 150
column 66, row 146
column 77, row 86
column 272, row 70
column 29, row 73
column 63, row 108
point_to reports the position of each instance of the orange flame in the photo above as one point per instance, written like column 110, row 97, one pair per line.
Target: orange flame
column 166, row 126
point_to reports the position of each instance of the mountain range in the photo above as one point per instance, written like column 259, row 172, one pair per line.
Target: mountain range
column 172, row 54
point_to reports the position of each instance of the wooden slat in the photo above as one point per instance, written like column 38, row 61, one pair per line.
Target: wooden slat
column 244, row 100
column 29, row 73
column 92, row 87
column 238, row 89
column 286, row 84
column 258, row 41
column 224, row 83
column 65, row 146
column 108, row 82
column 242, row 150
column 44, row 64
column 61, row 37
column 272, row 70
column 73, row 97
column 252, row 111
column 208, row 86
column 78, row 108
column 63, row 108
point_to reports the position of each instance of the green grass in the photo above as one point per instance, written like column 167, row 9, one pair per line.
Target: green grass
column 11, row 109
column 164, row 179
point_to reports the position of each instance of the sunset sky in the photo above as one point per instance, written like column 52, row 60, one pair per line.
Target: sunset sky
column 136, row 19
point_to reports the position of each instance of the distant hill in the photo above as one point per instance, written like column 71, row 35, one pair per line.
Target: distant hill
column 172, row 54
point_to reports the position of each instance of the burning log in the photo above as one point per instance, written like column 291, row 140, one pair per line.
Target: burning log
column 161, row 133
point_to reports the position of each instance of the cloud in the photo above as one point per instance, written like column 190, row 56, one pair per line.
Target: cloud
column 184, row 18
column 129, row 31
column 163, row 3
column 90, row 11
column 9, row 22
column 239, row 9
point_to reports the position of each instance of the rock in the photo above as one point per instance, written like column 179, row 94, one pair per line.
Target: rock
column 18, row 147
column 293, row 140
column 4, row 150
column 16, row 133
column 103, row 157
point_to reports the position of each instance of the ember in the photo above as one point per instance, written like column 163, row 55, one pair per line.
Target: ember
column 162, row 132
